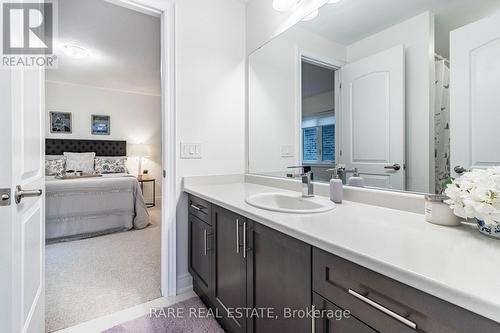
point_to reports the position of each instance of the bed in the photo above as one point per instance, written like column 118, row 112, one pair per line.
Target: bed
column 88, row 207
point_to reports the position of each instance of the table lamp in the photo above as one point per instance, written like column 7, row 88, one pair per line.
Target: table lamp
column 141, row 151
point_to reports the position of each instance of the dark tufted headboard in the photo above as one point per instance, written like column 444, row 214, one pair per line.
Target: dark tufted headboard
column 100, row 147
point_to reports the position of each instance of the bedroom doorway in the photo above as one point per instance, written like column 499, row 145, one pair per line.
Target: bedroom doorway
column 109, row 226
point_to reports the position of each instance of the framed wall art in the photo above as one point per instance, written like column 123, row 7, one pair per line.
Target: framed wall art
column 101, row 125
column 61, row 122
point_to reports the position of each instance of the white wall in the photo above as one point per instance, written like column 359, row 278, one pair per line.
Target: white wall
column 275, row 98
column 417, row 34
column 210, row 97
column 322, row 102
column 135, row 118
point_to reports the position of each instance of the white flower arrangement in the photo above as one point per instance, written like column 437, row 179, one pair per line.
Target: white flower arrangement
column 476, row 194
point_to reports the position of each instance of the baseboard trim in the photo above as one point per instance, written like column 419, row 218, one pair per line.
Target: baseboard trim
column 184, row 283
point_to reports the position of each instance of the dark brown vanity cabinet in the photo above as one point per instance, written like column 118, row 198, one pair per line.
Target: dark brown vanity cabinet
column 279, row 278
column 241, row 268
column 387, row 305
column 258, row 268
column 200, row 265
column 200, row 243
column 229, row 290
column 239, row 265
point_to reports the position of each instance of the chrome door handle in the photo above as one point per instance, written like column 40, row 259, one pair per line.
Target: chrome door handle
column 459, row 169
column 20, row 194
column 383, row 309
column 237, row 235
column 395, row 167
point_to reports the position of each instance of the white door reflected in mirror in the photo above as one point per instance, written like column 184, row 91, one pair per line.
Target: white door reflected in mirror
column 373, row 118
column 475, row 101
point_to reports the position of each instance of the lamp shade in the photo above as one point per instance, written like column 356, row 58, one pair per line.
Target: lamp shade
column 139, row 150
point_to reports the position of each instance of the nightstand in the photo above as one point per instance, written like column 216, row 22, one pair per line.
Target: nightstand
column 145, row 179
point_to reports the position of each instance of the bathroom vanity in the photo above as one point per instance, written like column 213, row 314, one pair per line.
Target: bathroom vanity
column 399, row 101
column 242, row 257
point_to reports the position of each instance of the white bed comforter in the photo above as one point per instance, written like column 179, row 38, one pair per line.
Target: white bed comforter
column 80, row 208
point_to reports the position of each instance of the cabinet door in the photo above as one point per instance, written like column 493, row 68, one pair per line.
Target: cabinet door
column 229, row 279
column 279, row 278
column 331, row 320
column 200, row 256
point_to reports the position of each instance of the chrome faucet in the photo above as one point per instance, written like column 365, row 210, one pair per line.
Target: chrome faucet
column 307, row 178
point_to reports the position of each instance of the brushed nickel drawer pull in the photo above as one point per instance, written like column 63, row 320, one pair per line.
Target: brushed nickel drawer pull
column 383, row 309
column 313, row 319
column 198, row 208
column 237, row 235
column 205, row 240
column 244, row 239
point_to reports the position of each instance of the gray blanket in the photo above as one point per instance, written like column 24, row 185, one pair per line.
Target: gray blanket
column 80, row 208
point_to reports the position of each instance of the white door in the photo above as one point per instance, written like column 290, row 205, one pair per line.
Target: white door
column 372, row 119
column 22, row 225
column 474, row 94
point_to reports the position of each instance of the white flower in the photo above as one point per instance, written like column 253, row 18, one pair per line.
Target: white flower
column 476, row 194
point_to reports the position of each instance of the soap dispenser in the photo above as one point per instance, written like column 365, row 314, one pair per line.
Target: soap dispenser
column 356, row 180
column 336, row 187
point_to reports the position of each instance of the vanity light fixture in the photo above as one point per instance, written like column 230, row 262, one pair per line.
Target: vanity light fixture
column 285, row 5
column 311, row 16
column 75, row 51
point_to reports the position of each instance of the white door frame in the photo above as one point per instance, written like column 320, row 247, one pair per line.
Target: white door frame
column 165, row 10
column 319, row 60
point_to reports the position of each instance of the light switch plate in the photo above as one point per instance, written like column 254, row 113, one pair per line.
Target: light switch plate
column 287, row 151
column 190, row 150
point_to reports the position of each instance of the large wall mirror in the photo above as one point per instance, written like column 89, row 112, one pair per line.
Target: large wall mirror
column 403, row 92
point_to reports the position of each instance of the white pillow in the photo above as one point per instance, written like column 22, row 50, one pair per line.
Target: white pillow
column 80, row 162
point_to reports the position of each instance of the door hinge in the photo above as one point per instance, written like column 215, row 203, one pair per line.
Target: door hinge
column 5, row 197
column 164, row 174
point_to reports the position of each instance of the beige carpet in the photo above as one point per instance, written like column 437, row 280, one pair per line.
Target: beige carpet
column 93, row 277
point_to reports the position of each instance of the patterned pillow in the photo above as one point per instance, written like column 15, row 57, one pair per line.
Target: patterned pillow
column 80, row 162
column 54, row 167
column 110, row 165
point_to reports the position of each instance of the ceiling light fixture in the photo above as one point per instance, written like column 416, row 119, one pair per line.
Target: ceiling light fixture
column 311, row 16
column 285, row 5
column 75, row 51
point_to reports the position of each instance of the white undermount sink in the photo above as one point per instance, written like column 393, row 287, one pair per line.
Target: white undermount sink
column 290, row 203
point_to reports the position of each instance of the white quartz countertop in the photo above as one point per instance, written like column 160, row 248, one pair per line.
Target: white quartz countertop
column 456, row 264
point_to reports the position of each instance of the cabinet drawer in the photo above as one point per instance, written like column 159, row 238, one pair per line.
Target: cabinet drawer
column 200, row 208
column 327, row 323
column 387, row 305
